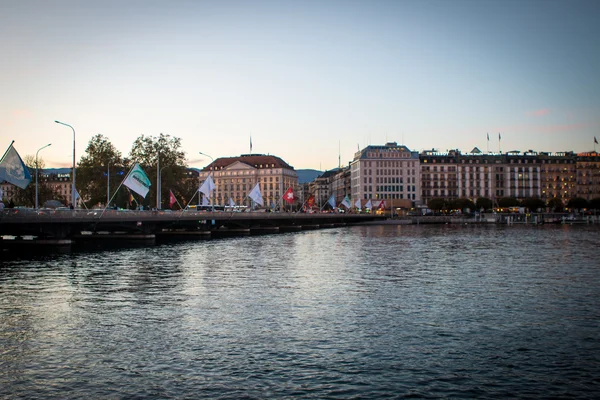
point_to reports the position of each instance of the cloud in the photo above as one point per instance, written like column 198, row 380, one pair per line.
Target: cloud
column 539, row 113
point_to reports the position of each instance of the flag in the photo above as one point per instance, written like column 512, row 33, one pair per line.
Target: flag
column 289, row 196
column 204, row 201
column 310, row 201
column 77, row 196
column 13, row 169
column 231, row 202
column 331, row 201
column 255, row 194
column 172, row 199
column 250, row 144
column 369, row 204
column 595, row 140
column 488, row 135
column 131, row 198
column 382, row 205
column 207, row 186
column 499, row 137
column 346, row 202
column 357, row 204
column 137, row 180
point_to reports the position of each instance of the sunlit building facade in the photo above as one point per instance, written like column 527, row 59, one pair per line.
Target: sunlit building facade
column 390, row 172
column 235, row 177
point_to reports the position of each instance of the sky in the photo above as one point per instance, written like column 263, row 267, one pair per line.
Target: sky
column 308, row 81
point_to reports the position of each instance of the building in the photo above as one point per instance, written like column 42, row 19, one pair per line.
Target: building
column 235, row 177
column 587, row 169
column 390, row 172
column 59, row 184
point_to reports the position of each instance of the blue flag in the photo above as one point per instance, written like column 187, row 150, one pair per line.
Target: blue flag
column 13, row 169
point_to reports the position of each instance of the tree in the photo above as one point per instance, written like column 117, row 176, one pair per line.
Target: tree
column 533, row 203
column 484, row 203
column 594, row 204
column 555, row 204
column 577, row 203
column 101, row 157
column 508, row 202
column 165, row 150
column 436, row 203
column 26, row 197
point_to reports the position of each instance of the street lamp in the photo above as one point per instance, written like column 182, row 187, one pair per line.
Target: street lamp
column 211, row 159
column 36, row 174
column 107, row 183
column 204, row 154
column 73, row 185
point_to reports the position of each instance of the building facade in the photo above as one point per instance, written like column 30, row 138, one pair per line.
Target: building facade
column 235, row 177
column 390, row 172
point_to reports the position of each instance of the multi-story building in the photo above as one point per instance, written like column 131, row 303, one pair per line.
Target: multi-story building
column 558, row 176
column 588, row 175
column 235, row 177
column 390, row 172
column 59, row 183
column 322, row 186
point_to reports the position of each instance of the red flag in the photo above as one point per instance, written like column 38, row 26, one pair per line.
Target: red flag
column 382, row 205
column 311, row 201
column 172, row 199
column 289, row 196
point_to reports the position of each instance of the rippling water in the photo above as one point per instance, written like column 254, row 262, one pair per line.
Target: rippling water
column 358, row 312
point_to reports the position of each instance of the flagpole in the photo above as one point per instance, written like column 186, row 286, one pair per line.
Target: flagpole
column 116, row 191
column 11, row 143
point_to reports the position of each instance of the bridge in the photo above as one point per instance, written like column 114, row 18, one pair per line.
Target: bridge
column 65, row 227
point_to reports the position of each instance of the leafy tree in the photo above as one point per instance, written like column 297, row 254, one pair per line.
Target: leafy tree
column 149, row 151
column 436, row 204
column 508, row 202
column 577, row 203
column 555, row 204
column 533, row 203
column 594, row 204
column 26, row 197
column 101, row 158
column 484, row 202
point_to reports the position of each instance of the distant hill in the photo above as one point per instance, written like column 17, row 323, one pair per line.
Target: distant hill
column 307, row 175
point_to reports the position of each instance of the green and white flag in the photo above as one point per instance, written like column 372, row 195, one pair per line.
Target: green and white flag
column 346, row 202
column 138, row 181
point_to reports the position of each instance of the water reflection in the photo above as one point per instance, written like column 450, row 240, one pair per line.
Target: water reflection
column 378, row 311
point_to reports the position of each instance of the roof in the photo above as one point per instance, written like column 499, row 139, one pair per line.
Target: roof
column 253, row 160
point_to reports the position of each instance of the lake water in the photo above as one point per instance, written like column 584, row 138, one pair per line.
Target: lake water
column 357, row 312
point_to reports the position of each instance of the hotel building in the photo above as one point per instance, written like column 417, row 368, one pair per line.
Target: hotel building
column 235, row 177
column 390, row 172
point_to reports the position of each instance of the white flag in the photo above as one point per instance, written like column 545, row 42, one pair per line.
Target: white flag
column 255, row 194
column 331, row 201
column 346, row 202
column 205, row 201
column 231, row 202
column 13, row 170
column 207, row 187
column 357, row 204
column 138, row 181
column 369, row 205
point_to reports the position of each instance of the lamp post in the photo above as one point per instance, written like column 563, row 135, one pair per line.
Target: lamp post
column 107, row 183
column 211, row 159
column 36, row 174
column 73, row 184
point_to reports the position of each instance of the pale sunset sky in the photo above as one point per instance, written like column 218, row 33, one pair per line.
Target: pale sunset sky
column 305, row 79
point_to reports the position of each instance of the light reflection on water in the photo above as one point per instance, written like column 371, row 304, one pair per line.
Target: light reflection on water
column 377, row 311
